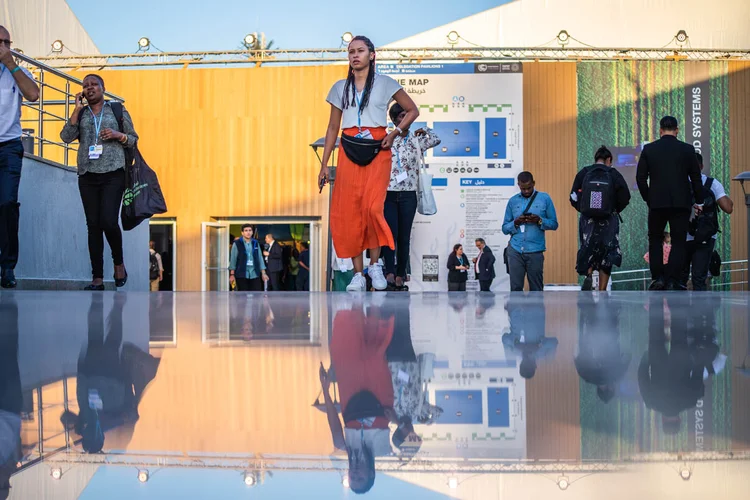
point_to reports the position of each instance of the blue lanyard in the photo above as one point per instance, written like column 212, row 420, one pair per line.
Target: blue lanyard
column 98, row 125
column 359, row 108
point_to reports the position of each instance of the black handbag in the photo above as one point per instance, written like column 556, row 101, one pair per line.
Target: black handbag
column 360, row 151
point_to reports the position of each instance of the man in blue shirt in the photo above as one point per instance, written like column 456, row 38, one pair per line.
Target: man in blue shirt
column 528, row 215
column 16, row 83
column 246, row 264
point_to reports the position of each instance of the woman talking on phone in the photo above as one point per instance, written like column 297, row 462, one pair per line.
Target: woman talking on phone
column 359, row 107
column 101, row 172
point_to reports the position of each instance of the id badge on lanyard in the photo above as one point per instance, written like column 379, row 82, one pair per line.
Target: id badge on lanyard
column 363, row 134
column 96, row 150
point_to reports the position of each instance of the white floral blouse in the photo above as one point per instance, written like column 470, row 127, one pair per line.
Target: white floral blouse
column 405, row 152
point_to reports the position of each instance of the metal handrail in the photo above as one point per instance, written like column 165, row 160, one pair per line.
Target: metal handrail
column 35, row 139
column 645, row 278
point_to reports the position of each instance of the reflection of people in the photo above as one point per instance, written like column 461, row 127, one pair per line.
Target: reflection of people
column 358, row 354
column 410, row 374
column 458, row 267
column 526, row 339
column 247, row 268
column 670, row 381
column 10, row 393
column 600, row 361
column 401, row 199
column 359, row 106
column 110, row 380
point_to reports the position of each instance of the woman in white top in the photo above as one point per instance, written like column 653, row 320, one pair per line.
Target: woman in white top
column 364, row 163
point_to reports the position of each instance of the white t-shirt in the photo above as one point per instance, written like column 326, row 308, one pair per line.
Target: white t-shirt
column 718, row 190
column 10, row 105
column 376, row 113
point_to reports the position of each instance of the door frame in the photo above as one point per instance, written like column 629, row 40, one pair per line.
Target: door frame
column 173, row 223
column 223, row 250
column 316, row 239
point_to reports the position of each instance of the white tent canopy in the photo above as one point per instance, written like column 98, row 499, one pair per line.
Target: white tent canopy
column 35, row 24
column 599, row 23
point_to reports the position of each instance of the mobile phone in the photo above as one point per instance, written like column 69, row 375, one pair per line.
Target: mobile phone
column 321, row 184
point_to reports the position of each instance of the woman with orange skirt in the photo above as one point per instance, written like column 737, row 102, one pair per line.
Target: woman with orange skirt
column 359, row 106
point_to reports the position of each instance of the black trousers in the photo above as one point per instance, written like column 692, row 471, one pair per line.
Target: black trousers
column 399, row 211
column 249, row 285
column 101, row 195
column 484, row 285
column 458, row 286
column 679, row 221
column 274, row 279
column 11, row 162
column 698, row 257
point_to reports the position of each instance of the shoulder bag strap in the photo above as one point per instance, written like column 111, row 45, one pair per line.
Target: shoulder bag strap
column 531, row 202
column 421, row 168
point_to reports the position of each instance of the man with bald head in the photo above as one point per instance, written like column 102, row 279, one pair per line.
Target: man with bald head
column 16, row 83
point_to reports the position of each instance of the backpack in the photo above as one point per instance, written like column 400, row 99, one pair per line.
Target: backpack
column 598, row 193
column 117, row 111
column 706, row 225
column 153, row 268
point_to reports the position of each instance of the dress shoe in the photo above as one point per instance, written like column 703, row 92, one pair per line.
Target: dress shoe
column 657, row 285
column 8, row 279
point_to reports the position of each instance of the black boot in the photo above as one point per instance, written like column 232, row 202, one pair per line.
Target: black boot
column 8, row 279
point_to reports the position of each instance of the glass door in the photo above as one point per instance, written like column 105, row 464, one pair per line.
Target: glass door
column 215, row 257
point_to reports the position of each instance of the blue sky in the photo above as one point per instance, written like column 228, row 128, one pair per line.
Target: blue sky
column 115, row 483
column 187, row 25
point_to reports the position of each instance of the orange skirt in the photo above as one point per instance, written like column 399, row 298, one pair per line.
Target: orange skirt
column 357, row 220
column 358, row 354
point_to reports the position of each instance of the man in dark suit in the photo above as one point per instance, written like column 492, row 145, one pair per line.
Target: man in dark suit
column 274, row 262
column 669, row 179
column 484, row 265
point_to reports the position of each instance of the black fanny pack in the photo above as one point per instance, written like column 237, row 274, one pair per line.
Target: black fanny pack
column 364, row 404
column 360, row 151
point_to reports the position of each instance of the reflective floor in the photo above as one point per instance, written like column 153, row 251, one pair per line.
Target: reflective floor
column 398, row 395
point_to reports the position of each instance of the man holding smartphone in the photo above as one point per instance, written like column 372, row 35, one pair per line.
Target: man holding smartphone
column 528, row 216
column 16, row 83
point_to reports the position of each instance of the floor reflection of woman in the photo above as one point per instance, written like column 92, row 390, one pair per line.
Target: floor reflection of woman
column 358, row 354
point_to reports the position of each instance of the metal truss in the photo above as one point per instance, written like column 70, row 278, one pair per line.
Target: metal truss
column 392, row 465
column 392, row 55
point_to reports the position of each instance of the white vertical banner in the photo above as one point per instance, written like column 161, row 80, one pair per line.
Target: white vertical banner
column 477, row 111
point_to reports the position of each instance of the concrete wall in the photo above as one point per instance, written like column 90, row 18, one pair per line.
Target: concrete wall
column 53, row 239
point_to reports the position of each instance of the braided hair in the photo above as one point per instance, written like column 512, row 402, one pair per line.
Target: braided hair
column 350, row 87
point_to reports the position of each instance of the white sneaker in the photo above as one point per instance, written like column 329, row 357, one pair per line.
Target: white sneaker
column 357, row 284
column 375, row 272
